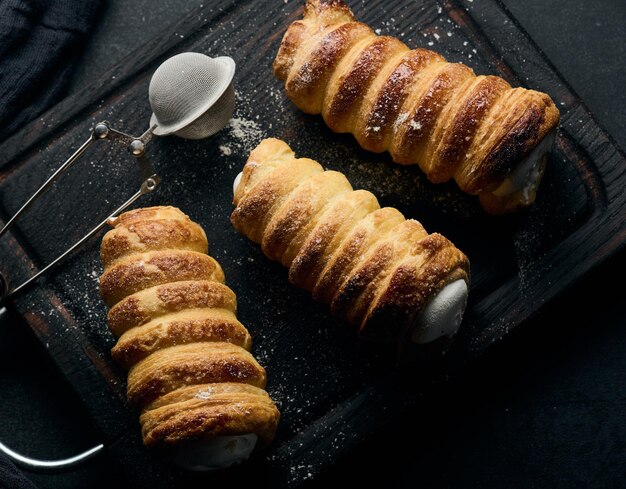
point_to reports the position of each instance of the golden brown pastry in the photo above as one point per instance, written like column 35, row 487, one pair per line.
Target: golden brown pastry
column 191, row 374
column 375, row 268
column 490, row 138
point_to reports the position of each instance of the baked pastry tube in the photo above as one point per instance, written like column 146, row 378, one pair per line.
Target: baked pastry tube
column 375, row 268
column 191, row 374
column 490, row 138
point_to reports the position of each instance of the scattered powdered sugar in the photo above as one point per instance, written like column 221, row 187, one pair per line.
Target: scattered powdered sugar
column 416, row 125
column 401, row 118
column 245, row 129
column 205, row 393
column 246, row 132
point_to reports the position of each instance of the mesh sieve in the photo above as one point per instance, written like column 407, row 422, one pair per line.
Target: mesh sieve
column 192, row 95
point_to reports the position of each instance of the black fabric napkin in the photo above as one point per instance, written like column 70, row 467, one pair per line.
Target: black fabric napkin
column 39, row 44
column 11, row 478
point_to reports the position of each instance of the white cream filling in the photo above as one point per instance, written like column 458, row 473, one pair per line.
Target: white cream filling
column 217, row 453
column 525, row 178
column 237, row 182
column 442, row 315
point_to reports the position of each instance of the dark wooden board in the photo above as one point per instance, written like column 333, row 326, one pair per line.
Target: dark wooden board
column 332, row 390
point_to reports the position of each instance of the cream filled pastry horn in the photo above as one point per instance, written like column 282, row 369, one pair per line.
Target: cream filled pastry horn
column 491, row 138
column 191, row 374
column 377, row 270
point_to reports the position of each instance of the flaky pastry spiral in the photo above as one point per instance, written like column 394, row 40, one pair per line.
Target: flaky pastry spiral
column 375, row 268
column 191, row 373
column 417, row 106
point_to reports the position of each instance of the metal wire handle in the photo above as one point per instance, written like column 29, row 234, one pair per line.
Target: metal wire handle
column 102, row 130
column 150, row 180
column 37, row 465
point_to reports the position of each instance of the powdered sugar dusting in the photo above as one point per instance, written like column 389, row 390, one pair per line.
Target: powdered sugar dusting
column 416, row 125
column 246, row 133
column 205, row 393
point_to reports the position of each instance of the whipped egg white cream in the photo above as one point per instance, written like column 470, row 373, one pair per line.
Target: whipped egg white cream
column 525, row 178
column 237, row 182
column 217, row 453
column 442, row 315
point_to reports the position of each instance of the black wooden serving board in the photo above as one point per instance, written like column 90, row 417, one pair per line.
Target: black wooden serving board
column 332, row 390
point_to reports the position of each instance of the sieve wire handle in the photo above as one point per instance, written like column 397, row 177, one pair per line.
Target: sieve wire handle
column 147, row 186
column 102, row 130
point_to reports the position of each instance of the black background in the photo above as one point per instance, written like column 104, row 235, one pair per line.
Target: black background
column 547, row 408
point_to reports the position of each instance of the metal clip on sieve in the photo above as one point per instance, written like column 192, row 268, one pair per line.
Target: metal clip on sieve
column 192, row 96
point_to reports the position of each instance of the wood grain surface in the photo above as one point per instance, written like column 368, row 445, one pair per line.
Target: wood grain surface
column 332, row 390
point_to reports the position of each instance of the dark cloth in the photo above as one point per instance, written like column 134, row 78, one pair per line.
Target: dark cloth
column 11, row 478
column 39, row 43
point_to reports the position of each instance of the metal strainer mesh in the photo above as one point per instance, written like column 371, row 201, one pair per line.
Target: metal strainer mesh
column 213, row 120
column 192, row 95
